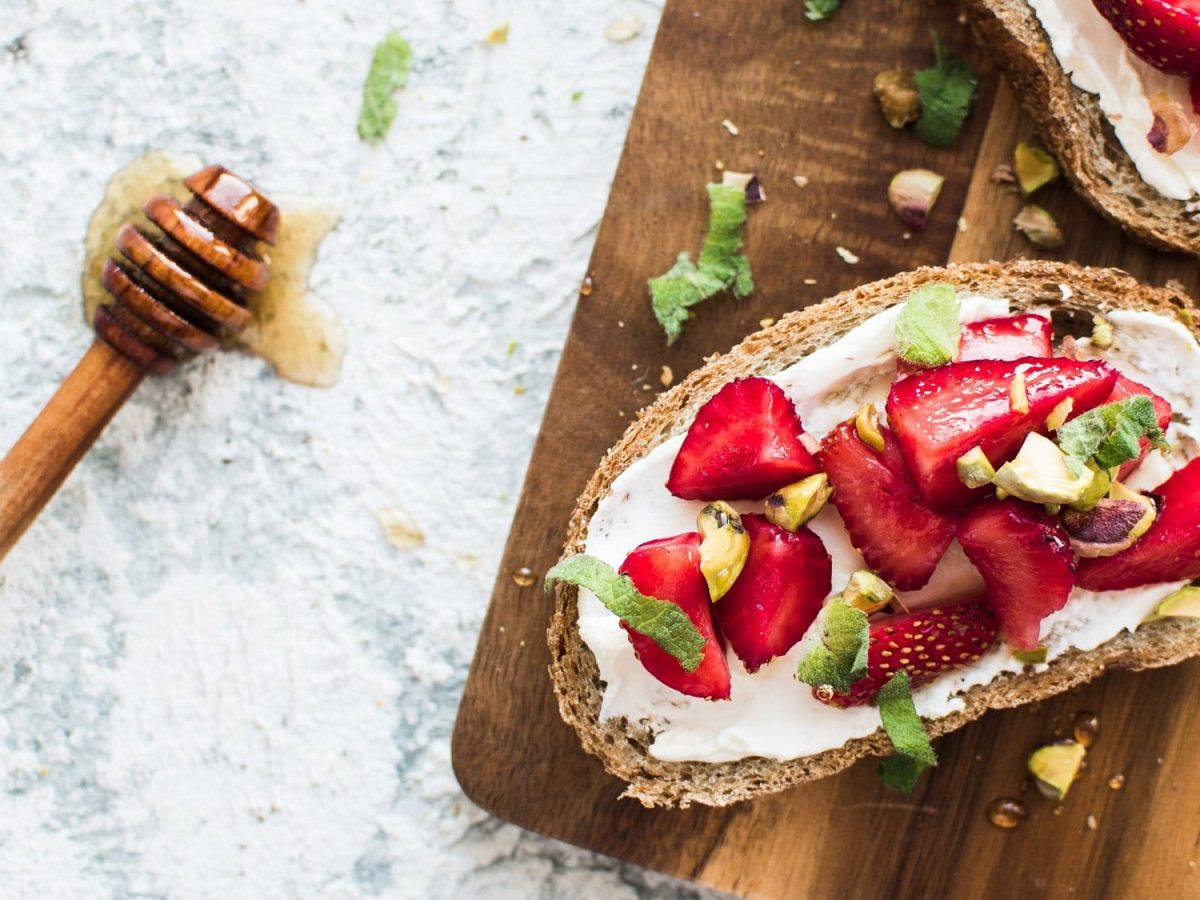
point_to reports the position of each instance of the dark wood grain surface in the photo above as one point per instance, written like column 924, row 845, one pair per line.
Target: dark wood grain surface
column 799, row 94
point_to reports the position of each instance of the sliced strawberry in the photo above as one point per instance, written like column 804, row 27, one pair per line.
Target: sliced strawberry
column 669, row 569
column 780, row 591
column 900, row 537
column 1026, row 562
column 1164, row 33
column 1169, row 551
column 1005, row 337
column 939, row 414
column 1125, row 388
column 925, row 643
column 744, row 444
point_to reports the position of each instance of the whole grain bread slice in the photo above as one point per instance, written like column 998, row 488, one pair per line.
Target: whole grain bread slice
column 1075, row 130
column 623, row 746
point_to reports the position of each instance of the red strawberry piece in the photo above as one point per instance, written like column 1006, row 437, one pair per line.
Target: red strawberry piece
column 925, row 643
column 1026, row 562
column 780, row 591
column 1164, row 33
column 1169, row 551
column 1125, row 388
column 939, row 414
column 1005, row 337
column 900, row 537
column 744, row 444
column 669, row 569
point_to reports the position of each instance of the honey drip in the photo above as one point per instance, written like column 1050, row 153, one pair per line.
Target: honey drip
column 294, row 328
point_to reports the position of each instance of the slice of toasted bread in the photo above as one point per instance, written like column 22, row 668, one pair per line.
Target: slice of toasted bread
column 1075, row 130
column 623, row 746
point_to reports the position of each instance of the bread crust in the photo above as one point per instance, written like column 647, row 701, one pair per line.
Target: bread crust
column 623, row 746
column 1071, row 123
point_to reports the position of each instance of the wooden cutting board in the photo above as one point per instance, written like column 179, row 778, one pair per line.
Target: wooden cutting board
column 799, row 94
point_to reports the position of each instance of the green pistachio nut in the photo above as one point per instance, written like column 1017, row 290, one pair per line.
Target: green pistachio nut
column 1034, row 168
column 867, row 591
column 1039, row 227
column 1031, row 657
column 724, row 546
column 792, row 506
column 1056, row 766
column 974, row 468
column 1182, row 604
column 866, row 423
column 1039, row 474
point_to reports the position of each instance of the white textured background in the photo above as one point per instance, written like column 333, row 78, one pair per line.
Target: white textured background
column 217, row 679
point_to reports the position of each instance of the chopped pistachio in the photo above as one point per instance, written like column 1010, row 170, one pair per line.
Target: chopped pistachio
column 1056, row 766
column 866, row 423
column 1102, row 333
column 896, row 91
column 1031, row 657
column 1111, row 525
column 724, row 547
column 1035, row 168
column 1182, row 604
column 1172, row 126
column 792, row 506
column 1059, row 414
column 1039, row 474
column 867, row 591
column 974, row 468
column 1018, row 397
column 1039, row 227
column 1096, row 491
column 912, row 194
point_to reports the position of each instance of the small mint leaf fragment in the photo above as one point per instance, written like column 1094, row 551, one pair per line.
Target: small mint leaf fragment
column 818, row 10
column 927, row 329
column 840, row 659
column 914, row 754
column 389, row 72
column 663, row 622
column 721, row 266
column 947, row 91
column 1110, row 434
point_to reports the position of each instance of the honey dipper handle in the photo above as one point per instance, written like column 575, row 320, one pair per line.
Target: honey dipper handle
column 61, row 434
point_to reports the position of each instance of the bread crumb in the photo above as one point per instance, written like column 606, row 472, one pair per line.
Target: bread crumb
column 1091, row 823
column 800, row 181
column 667, row 376
column 1003, row 174
column 810, row 281
column 730, row 127
column 719, row 165
column 962, row 225
column 847, row 257
column 766, row 323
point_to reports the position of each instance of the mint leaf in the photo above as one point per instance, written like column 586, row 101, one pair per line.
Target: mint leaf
column 947, row 91
column 841, row 657
column 389, row 72
column 722, row 266
column 927, row 328
column 1110, row 434
column 914, row 754
column 663, row 622
column 816, row 10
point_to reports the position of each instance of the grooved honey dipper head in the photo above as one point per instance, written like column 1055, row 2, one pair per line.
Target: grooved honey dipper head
column 176, row 291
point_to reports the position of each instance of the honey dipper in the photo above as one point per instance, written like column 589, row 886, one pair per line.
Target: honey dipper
column 174, row 294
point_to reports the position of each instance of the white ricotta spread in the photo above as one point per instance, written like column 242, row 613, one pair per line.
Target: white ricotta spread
column 1099, row 62
column 770, row 714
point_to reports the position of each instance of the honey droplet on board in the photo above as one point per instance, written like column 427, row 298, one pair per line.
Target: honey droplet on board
column 524, row 577
column 1117, row 782
column 294, row 330
column 1087, row 727
column 585, row 289
column 1006, row 812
